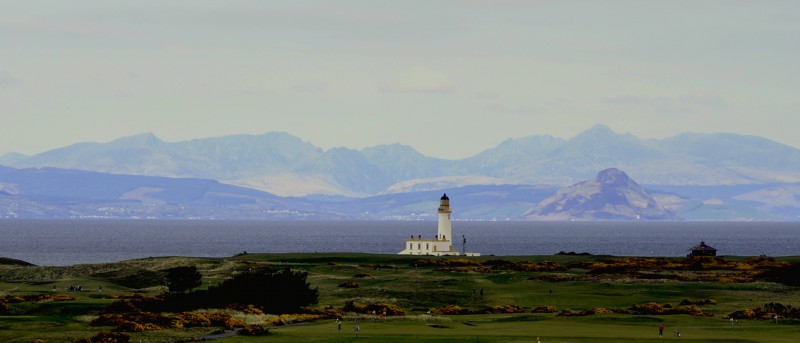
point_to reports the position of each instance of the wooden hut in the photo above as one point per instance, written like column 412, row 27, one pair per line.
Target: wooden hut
column 702, row 249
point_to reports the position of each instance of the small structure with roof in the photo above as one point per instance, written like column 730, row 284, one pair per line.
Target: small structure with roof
column 702, row 249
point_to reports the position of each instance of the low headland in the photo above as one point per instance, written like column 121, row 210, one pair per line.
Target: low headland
column 351, row 297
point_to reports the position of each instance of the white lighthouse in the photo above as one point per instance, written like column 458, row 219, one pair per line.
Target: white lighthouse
column 445, row 224
column 442, row 243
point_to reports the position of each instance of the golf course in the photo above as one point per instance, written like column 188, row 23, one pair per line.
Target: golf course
column 399, row 298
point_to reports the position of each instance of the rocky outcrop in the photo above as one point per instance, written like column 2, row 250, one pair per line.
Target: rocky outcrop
column 612, row 195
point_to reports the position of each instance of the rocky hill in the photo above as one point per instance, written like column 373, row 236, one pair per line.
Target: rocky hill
column 611, row 195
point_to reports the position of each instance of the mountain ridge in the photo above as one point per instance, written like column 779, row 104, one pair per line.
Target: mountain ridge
column 62, row 193
column 280, row 163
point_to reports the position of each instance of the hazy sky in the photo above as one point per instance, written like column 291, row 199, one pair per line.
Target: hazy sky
column 449, row 78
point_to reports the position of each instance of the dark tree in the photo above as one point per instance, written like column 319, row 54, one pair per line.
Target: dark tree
column 787, row 275
column 282, row 291
column 182, row 279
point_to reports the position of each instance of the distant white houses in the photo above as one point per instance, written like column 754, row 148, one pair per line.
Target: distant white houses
column 442, row 243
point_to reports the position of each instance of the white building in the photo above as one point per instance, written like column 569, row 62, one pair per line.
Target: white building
column 442, row 243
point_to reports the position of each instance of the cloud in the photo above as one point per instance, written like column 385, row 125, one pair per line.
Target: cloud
column 311, row 87
column 688, row 102
column 487, row 95
column 420, row 80
column 551, row 107
column 514, row 110
column 6, row 80
column 255, row 92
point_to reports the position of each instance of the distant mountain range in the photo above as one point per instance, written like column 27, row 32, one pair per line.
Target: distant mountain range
column 62, row 193
column 277, row 175
column 283, row 164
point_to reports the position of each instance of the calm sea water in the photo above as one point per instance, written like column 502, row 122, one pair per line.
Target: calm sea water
column 66, row 242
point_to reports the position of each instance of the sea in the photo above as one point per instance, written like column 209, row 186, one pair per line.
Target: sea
column 70, row 242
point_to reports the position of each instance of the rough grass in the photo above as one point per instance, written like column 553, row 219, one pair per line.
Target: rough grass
column 416, row 290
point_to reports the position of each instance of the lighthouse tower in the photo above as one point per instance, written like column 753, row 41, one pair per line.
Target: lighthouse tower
column 445, row 225
column 442, row 243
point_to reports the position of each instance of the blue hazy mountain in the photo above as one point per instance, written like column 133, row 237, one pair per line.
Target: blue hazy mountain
column 745, row 153
column 596, row 149
column 282, row 164
column 400, row 163
column 280, row 159
column 222, row 158
column 63, row 193
column 611, row 195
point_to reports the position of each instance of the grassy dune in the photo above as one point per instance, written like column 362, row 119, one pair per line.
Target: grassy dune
column 433, row 284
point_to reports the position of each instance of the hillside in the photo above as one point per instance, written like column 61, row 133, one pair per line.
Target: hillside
column 611, row 195
column 61, row 193
column 283, row 164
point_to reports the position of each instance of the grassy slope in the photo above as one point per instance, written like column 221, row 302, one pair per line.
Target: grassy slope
column 411, row 288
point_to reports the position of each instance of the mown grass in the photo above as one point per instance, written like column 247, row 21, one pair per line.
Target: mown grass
column 416, row 289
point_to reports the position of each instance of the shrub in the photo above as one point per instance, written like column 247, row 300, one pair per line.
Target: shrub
column 285, row 319
column 525, row 266
column 476, row 269
column 137, row 327
column 691, row 310
column 105, row 337
column 448, row 262
column 327, row 312
column 553, row 277
column 767, row 312
column 599, row 310
column 232, row 323
column 567, row 313
column 121, row 306
column 376, row 309
column 349, row 284
column 108, row 319
column 502, row 309
column 351, row 306
column 249, row 309
column 647, row 308
column 15, row 299
column 388, row 309
column 223, row 319
column 194, row 319
column 450, row 310
column 589, row 312
column 743, row 314
column 544, row 309
column 129, row 296
column 699, row 302
column 254, row 330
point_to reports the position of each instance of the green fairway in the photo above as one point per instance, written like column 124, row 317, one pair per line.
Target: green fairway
column 482, row 286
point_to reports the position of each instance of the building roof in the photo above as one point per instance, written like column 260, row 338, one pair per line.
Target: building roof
column 444, row 197
column 702, row 247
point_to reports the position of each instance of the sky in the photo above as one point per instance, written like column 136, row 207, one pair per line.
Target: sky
column 449, row 78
